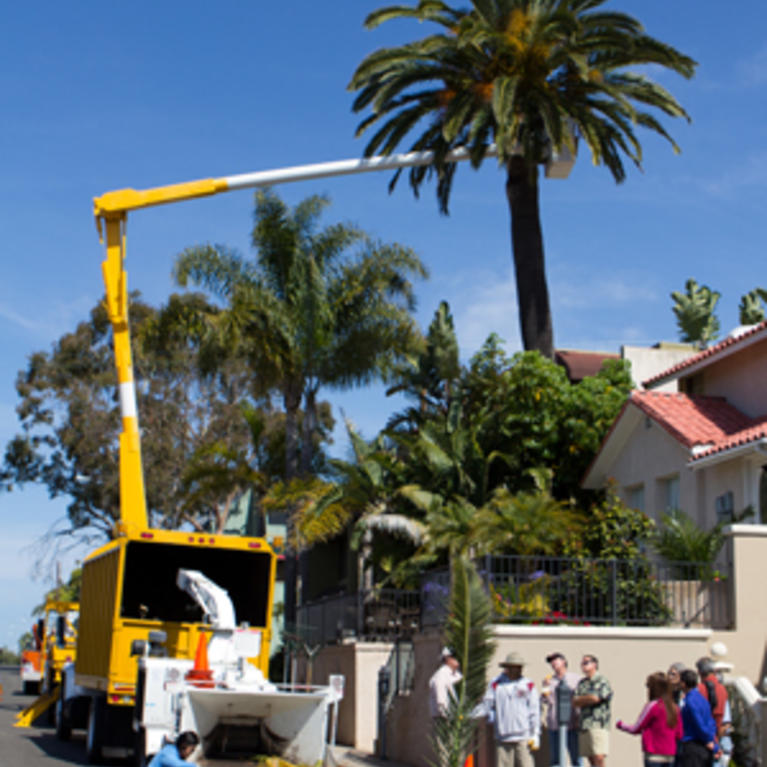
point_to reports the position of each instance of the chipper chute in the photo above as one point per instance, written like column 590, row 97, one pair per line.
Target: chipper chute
column 225, row 698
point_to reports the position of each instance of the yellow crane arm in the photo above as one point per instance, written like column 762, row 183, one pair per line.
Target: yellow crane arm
column 111, row 212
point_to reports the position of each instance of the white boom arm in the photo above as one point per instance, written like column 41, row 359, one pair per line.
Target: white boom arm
column 214, row 601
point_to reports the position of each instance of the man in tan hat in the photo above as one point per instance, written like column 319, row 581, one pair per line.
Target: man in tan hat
column 512, row 705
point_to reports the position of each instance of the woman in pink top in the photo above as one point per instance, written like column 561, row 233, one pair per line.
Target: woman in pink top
column 659, row 723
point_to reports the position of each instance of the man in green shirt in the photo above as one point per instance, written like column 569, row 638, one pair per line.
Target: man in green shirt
column 592, row 698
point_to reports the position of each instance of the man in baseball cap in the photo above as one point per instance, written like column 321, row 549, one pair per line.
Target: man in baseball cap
column 551, row 682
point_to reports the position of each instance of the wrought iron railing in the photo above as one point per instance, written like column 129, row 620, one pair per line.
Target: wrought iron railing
column 374, row 614
column 538, row 590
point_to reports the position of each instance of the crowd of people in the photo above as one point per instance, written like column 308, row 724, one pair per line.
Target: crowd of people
column 686, row 721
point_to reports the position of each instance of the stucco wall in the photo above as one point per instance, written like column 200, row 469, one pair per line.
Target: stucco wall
column 626, row 655
column 740, row 378
column 359, row 663
column 649, row 454
column 648, row 361
column 730, row 476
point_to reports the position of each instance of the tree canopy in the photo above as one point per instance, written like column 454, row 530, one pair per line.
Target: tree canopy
column 70, row 420
column 531, row 78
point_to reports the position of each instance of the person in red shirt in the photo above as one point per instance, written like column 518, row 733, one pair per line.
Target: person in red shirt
column 659, row 722
column 712, row 690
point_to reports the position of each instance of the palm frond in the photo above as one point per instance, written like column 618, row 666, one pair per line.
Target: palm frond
column 468, row 634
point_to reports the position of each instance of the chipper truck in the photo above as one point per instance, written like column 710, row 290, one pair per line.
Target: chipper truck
column 155, row 603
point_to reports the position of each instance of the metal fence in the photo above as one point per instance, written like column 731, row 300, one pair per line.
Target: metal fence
column 539, row 590
column 618, row 592
column 375, row 614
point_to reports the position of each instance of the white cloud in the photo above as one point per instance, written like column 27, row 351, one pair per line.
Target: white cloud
column 7, row 313
column 488, row 305
column 610, row 291
column 751, row 173
column 62, row 317
column 752, row 71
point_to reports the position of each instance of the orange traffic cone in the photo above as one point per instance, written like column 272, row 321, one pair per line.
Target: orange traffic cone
column 469, row 762
column 200, row 674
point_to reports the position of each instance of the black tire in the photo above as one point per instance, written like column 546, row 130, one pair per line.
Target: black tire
column 61, row 716
column 50, row 713
column 95, row 734
column 140, row 758
column 30, row 688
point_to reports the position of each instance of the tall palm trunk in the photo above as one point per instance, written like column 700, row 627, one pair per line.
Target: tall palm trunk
column 291, row 396
column 307, row 438
column 527, row 247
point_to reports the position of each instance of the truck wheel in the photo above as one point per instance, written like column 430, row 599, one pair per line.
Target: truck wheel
column 94, row 736
column 61, row 714
column 140, row 758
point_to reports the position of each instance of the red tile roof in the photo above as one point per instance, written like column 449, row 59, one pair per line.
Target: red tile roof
column 710, row 352
column 580, row 364
column 696, row 420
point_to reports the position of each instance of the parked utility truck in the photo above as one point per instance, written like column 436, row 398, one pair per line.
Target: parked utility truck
column 56, row 636
column 153, row 602
column 139, row 631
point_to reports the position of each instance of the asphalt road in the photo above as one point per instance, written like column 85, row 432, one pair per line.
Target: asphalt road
column 35, row 746
column 38, row 746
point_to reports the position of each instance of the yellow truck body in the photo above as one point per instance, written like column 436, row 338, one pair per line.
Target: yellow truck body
column 129, row 589
column 60, row 645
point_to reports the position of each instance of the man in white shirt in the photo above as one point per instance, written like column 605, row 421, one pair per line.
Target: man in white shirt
column 442, row 682
column 513, row 706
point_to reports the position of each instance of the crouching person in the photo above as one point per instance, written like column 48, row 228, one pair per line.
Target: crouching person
column 176, row 754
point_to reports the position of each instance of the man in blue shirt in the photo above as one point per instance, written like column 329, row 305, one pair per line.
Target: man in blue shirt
column 176, row 754
column 699, row 744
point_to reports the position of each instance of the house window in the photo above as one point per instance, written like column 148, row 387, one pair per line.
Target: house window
column 670, row 489
column 635, row 497
column 762, row 513
column 725, row 507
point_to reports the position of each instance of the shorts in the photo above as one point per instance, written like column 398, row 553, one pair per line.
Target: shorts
column 594, row 742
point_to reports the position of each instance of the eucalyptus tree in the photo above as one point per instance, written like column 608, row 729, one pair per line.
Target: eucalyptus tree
column 530, row 76
column 69, row 417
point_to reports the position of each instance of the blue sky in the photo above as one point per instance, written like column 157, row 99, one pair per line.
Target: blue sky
column 100, row 96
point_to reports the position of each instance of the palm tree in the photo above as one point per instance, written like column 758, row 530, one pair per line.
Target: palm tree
column 694, row 311
column 307, row 313
column 532, row 76
column 468, row 632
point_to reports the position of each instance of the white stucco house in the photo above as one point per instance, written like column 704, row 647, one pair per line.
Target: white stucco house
column 695, row 437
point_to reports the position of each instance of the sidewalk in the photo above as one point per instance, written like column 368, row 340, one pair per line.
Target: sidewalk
column 346, row 756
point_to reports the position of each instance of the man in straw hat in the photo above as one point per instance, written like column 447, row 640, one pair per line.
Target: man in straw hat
column 512, row 705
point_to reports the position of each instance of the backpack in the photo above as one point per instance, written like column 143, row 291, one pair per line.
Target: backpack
column 710, row 693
